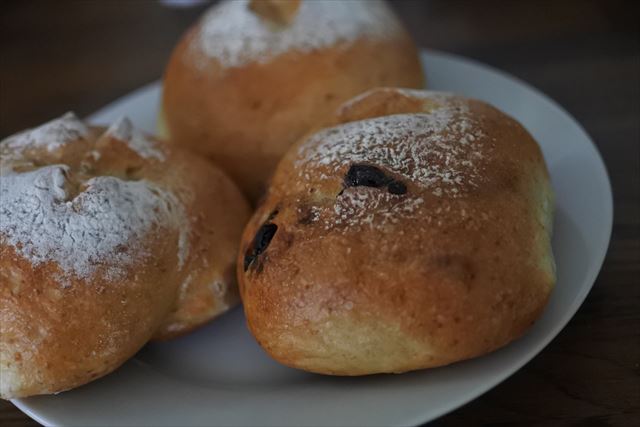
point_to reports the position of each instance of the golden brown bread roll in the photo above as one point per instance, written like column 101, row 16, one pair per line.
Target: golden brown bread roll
column 414, row 234
column 249, row 80
column 107, row 238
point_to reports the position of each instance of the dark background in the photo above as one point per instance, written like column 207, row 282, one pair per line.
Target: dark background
column 57, row 56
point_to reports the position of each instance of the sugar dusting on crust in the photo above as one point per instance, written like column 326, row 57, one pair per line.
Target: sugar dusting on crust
column 234, row 35
column 123, row 130
column 439, row 153
column 50, row 136
column 371, row 207
column 101, row 226
column 441, row 150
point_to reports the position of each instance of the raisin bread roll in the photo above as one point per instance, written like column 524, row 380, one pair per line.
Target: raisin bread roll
column 107, row 239
column 251, row 77
column 413, row 234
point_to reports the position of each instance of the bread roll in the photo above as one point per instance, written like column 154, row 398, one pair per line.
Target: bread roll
column 252, row 77
column 107, row 238
column 413, row 234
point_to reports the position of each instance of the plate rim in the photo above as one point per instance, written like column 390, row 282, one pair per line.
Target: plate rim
column 553, row 330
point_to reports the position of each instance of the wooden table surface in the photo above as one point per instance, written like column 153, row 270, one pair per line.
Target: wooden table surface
column 79, row 55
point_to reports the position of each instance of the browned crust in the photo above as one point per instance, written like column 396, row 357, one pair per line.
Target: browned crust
column 219, row 213
column 459, row 278
column 57, row 333
column 245, row 118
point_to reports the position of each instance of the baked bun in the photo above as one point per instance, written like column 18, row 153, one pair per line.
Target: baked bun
column 414, row 234
column 253, row 76
column 107, row 238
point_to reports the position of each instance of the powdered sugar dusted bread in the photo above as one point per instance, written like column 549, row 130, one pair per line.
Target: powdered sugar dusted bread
column 107, row 238
column 252, row 77
column 414, row 233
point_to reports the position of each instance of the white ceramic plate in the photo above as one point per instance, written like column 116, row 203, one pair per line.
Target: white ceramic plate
column 220, row 376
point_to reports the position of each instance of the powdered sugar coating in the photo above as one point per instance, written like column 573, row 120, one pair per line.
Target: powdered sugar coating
column 367, row 206
column 441, row 150
column 234, row 35
column 123, row 130
column 84, row 225
column 102, row 225
column 51, row 136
